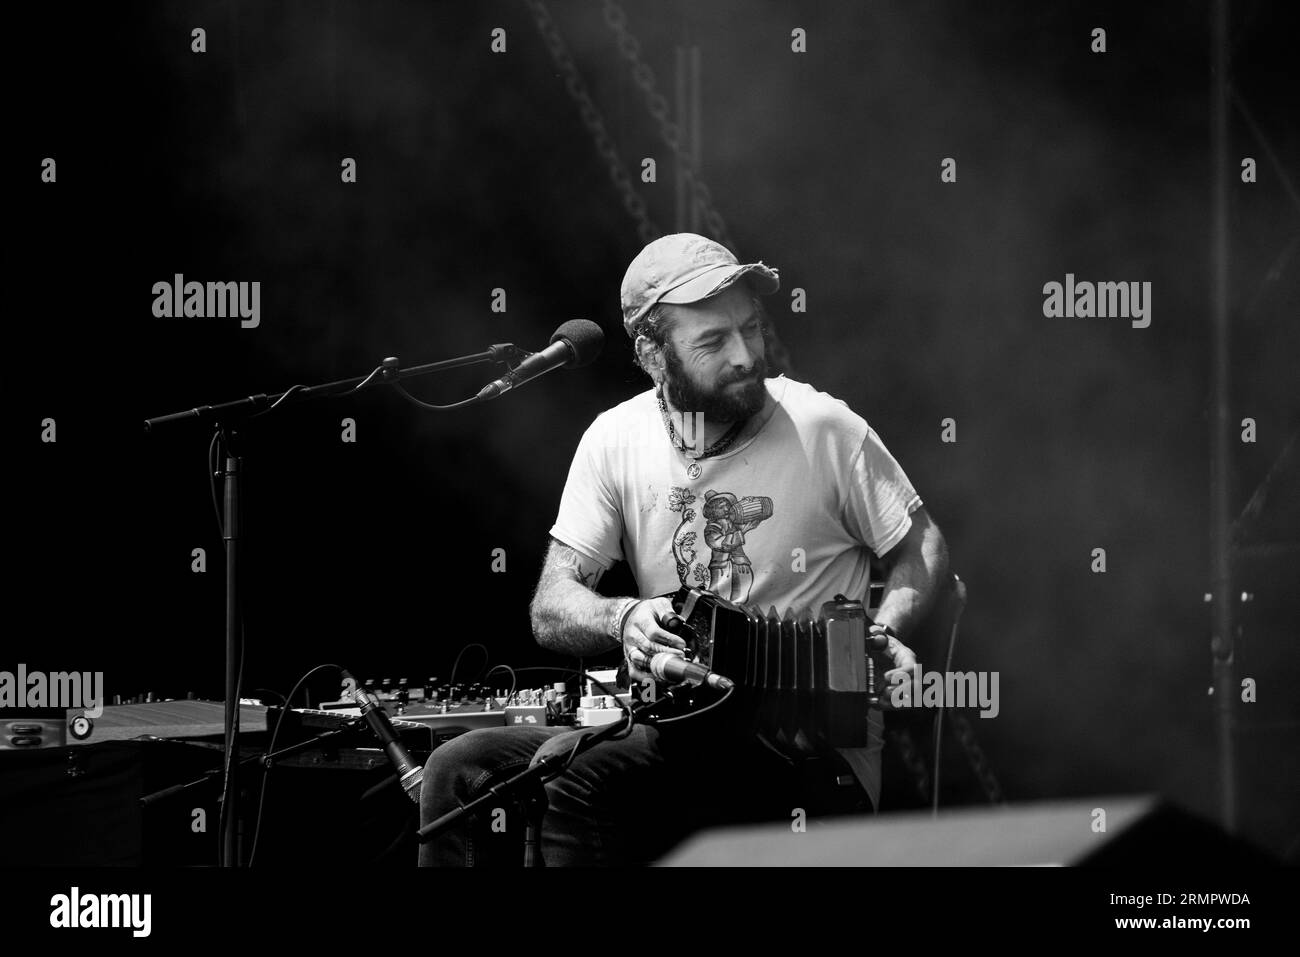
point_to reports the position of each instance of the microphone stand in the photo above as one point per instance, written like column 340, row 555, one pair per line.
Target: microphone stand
column 225, row 416
column 528, row 783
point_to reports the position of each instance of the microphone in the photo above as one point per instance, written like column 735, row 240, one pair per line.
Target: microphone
column 667, row 666
column 574, row 344
column 409, row 775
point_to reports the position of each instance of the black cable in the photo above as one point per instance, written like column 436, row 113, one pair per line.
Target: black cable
column 407, row 830
column 938, row 721
column 284, row 395
column 514, row 679
column 611, row 692
column 487, row 656
column 434, row 408
column 214, row 457
column 379, row 370
column 573, row 754
column 270, row 749
column 234, row 737
column 692, row 714
column 377, row 789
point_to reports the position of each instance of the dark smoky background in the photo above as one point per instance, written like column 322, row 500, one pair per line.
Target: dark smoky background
column 476, row 171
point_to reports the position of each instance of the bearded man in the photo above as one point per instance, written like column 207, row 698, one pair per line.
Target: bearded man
column 757, row 488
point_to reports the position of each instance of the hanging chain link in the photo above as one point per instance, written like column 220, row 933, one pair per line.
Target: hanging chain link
column 912, row 760
column 643, row 76
column 595, row 123
column 975, row 756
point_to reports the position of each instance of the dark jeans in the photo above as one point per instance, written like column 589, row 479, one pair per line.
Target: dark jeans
column 622, row 802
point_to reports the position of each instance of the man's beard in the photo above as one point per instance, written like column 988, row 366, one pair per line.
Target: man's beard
column 719, row 402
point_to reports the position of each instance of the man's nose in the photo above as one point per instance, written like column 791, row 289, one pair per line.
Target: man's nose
column 739, row 354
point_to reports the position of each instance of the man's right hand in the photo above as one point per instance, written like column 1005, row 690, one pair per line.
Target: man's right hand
column 643, row 638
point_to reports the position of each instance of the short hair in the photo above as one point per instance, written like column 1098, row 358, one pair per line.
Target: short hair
column 658, row 323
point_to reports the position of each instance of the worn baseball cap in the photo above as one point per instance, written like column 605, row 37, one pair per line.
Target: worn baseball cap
column 682, row 268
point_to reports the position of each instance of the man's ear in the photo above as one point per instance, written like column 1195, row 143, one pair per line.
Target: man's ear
column 651, row 357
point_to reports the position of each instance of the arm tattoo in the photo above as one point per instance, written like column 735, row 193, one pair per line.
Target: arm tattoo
column 567, row 615
column 561, row 557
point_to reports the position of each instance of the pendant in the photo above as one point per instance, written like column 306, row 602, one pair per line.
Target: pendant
column 693, row 470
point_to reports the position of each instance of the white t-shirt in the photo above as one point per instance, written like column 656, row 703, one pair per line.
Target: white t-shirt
column 785, row 518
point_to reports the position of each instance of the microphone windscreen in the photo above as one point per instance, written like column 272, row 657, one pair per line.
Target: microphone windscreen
column 584, row 337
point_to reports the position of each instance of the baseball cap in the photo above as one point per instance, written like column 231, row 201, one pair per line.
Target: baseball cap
column 682, row 268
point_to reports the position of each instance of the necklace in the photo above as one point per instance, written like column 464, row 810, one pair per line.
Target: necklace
column 717, row 448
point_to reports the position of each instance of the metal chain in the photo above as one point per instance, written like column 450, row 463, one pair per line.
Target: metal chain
column 643, row 76
column 975, row 756
column 595, row 123
column 912, row 760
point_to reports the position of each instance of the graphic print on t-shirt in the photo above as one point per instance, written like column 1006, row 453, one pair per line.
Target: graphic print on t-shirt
column 728, row 518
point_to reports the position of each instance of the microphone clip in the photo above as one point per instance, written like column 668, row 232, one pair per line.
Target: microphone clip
column 508, row 354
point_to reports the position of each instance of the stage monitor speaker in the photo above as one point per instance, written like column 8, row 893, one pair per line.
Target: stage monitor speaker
column 1139, row 831
column 80, row 806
